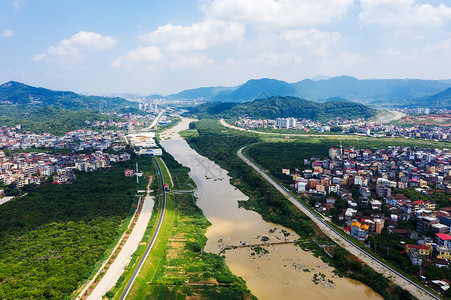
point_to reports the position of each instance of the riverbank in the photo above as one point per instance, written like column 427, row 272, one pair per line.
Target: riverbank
column 275, row 272
column 176, row 267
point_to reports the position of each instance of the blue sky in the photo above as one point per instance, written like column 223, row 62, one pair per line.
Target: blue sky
column 167, row 46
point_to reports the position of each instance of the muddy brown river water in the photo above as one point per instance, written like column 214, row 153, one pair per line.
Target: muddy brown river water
column 285, row 271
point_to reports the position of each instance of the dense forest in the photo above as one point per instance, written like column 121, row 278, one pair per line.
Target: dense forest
column 442, row 99
column 49, row 119
column 283, row 107
column 51, row 238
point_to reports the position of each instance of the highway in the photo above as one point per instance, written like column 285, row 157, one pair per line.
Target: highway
column 152, row 240
column 155, row 122
column 415, row 289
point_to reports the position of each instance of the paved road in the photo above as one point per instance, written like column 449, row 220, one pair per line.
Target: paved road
column 155, row 122
column 152, row 240
column 123, row 259
column 181, row 192
column 402, row 281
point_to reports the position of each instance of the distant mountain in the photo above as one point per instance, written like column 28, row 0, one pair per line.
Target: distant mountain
column 321, row 77
column 368, row 90
column 333, row 99
column 281, row 107
column 22, row 94
column 203, row 92
column 374, row 92
column 258, row 89
column 156, row 96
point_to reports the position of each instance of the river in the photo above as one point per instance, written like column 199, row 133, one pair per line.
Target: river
column 286, row 271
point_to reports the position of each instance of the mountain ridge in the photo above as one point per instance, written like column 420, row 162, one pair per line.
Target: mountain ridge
column 22, row 94
column 283, row 107
column 376, row 92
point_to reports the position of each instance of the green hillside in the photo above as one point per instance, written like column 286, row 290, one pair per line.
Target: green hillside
column 283, row 107
column 440, row 100
column 19, row 93
column 49, row 119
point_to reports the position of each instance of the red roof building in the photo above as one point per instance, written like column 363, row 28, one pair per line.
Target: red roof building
column 443, row 239
column 423, row 250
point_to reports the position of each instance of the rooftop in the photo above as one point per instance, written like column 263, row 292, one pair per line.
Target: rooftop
column 414, row 246
column 444, row 236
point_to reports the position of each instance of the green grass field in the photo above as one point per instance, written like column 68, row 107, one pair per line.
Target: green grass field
column 176, row 267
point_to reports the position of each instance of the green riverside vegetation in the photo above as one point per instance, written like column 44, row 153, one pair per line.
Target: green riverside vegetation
column 177, row 267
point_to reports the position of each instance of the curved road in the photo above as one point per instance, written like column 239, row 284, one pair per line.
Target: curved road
column 416, row 290
column 152, row 240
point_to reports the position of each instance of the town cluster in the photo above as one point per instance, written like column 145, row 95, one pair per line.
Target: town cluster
column 132, row 123
column 393, row 130
column 423, row 110
column 357, row 126
column 83, row 139
column 20, row 169
column 34, row 168
column 378, row 175
column 302, row 124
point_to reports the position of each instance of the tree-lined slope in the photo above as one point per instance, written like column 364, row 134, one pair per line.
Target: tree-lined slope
column 442, row 99
column 283, row 107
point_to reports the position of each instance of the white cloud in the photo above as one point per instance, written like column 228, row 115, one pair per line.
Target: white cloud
column 442, row 48
column 277, row 59
column 278, row 13
column 282, row 34
column 18, row 4
column 391, row 52
column 151, row 58
column 199, row 36
column 315, row 41
column 348, row 58
column 77, row 46
column 403, row 13
column 7, row 33
column 179, row 61
column 145, row 55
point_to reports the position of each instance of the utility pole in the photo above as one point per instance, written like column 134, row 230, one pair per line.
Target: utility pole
column 137, row 173
column 341, row 149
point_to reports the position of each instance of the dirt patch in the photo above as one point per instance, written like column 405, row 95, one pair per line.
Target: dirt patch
column 352, row 257
column 442, row 120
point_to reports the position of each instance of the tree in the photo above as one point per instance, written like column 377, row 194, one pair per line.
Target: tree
column 433, row 272
column 336, row 129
